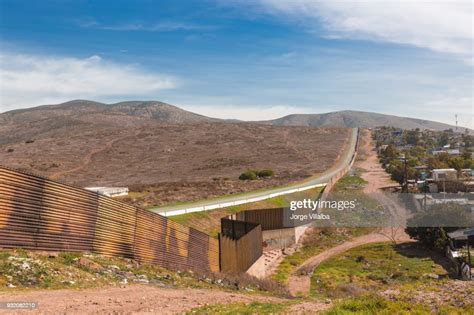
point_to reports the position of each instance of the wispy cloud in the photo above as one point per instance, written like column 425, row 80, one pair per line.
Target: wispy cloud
column 163, row 26
column 28, row 80
column 443, row 26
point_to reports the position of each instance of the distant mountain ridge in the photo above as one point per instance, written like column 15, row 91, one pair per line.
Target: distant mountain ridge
column 89, row 111
column 145, row 109
column 350, row 118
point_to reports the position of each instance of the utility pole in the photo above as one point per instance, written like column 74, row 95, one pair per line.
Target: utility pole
column 456, row 116
column 405, row 176
column 444, row 188
column 425, row 186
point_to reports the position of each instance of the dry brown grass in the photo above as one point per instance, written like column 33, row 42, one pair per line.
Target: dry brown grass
column 170, row 162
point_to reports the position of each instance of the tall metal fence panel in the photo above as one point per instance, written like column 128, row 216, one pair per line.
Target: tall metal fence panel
column 41, row 214
column 269, row 219
column 240, row 245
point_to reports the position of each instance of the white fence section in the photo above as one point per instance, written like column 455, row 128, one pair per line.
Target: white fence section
column 219, row 205
column 109, row 191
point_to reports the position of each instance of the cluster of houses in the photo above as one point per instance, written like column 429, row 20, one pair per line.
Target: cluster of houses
column 428, row 137
column 445, row 180
column 435, row 180
column 450, row 180
column 446, row 149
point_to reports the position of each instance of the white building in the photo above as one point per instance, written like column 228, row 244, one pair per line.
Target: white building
column 445, row 174
column 449, row 151
column 110, row 191
column 454, row 152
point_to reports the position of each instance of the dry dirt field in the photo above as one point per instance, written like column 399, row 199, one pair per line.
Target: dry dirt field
column 164, row 162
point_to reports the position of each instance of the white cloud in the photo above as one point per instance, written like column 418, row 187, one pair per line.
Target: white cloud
column 163, row 26
column 27, row 80
column 440, row 25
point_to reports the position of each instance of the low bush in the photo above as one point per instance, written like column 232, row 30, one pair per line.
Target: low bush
column 265, row 173
column 254, row 174
column 248, row 175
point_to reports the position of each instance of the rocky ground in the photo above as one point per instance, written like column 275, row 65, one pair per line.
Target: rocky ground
column 452, row 292
column 81, row 283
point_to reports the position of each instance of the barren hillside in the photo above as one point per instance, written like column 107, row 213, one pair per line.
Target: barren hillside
column 182, row 155
column 350, row 118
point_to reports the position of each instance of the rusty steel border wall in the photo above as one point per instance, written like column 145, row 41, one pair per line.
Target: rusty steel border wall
column 269, row 219
column 41, row 214
column 240, row 245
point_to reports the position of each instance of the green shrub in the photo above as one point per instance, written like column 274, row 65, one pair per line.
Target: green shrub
column 254, row 174
column 69, row 258
column 248, row 175
column 265, row 173
column 431, row 227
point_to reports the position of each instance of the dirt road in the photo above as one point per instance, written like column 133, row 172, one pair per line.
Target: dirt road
column 140, row 299
column 128, row 299
column 377, row 178
column 374, row 174
column 87, row 159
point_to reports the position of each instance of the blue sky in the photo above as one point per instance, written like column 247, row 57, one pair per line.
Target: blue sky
column 243, row 59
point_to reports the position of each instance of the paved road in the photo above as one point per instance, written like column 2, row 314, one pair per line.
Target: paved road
column 315, row 181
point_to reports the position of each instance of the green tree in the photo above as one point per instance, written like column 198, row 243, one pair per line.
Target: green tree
column 443, row 139
column 389, row 154
column 412, row 136
column 466, row 154
column 467, row 139
column 418, row 152
column 456, row 163
column 439, row 161
column 431, row 227
column 397, row 171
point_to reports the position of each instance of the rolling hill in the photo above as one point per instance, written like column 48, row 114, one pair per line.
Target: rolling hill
column 159, row 150
column 77, row 111
column 50, row 120
column 146, row 109
column 350, row 118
